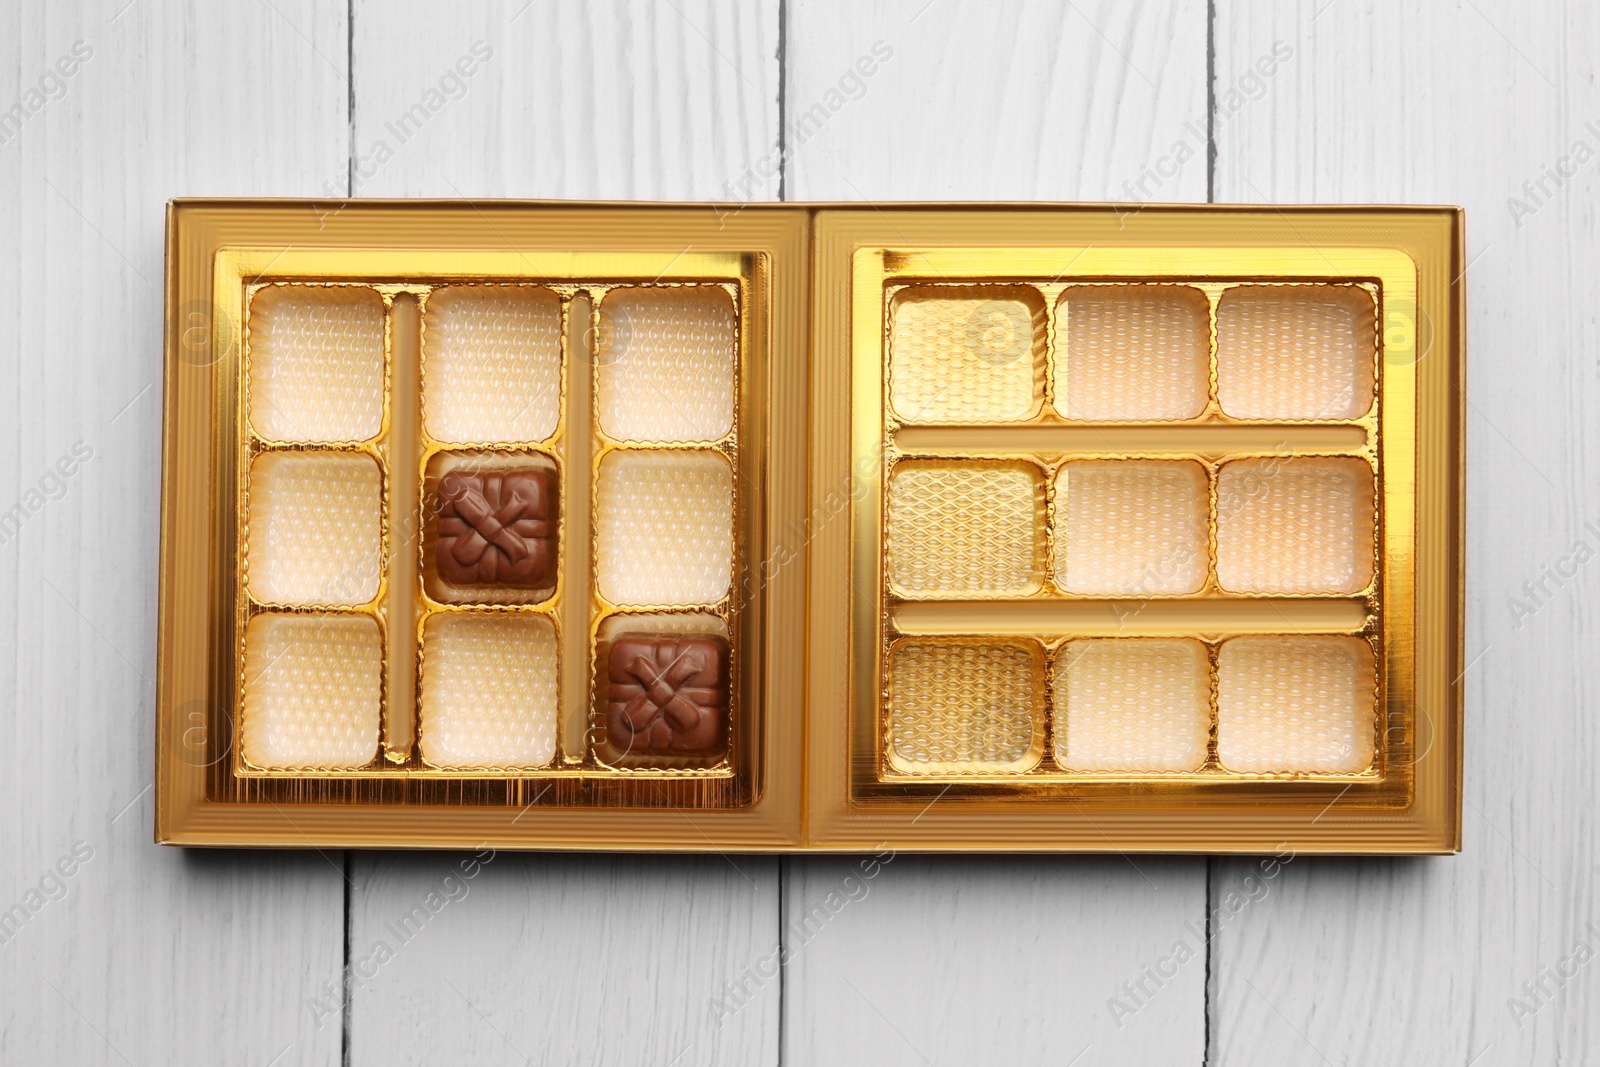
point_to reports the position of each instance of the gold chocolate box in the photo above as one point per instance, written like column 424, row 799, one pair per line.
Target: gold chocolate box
column 805, row 527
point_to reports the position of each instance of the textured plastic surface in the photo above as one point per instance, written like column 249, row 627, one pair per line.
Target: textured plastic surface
column 664, row 527
column 1138, row 706
column 1133, row 352
column 976, row 705
column 492, row 363
column 666, row 364
column 316, row 363
column 315, row 533
column 489, row 693
column 1296, row 352
column 968, row 358
column 1132, row 527
column 312, row 691
column 1296, row 705
column 964, row 529
column 1295, row 526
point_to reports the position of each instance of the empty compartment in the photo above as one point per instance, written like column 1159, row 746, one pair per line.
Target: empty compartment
column 1133, row 352
column 664, row 528
column 966, row 705
column 316, row 363
column 1135, row 706
column 491, row 527
column 1295, row 526
column 663, row 690
column 315, row 535
column 491, row 363
column 666, row 363
column 966, row 354
column 312, row 692
column 1132, row 527
column 1296, row 705
column 489, row 693
column 1296, row 351
column 965, row 529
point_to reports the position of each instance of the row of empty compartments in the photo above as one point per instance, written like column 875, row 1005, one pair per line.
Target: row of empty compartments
column 1131, row 352
column 492, row 363
column 663, row 527
column 1283, row 705
column 489, row 692
column 1284, row 525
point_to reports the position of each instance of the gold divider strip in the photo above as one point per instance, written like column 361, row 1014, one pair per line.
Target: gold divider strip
column 576, row 476
column 1214, row 438
column 1182, row 618
column 404, row 526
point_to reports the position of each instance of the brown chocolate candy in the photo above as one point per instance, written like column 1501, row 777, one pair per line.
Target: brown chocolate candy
column 669, row 693
column 498, row 527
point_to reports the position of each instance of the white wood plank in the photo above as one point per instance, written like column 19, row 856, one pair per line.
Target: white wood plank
column 977, row 960
column 149, row 955
column 1425, row 961
column 916, row 960
column 1029, row 101
column 664, row 101
column 562, row 959
column 568, row 959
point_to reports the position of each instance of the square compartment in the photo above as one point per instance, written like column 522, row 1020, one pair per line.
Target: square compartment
column 1133, row 353
column 1295, row 526
column 713, row 701
column 966, row 354
column 965, row 529
column 436, row 509
column 316, row 363
column 664, row 528
column 489, row 691
column 965, row 706
column 491, row 363
column 1296, row 351
column 1132, row 527
column 316, row 529
column 313, row 689
column 1296, row 705
column 666, row 363
column 1137, row 706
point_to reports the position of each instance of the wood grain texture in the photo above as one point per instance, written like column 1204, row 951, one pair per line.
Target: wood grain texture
column 563, row 959
column 917, row 960
column 663, row 101
column 147, row 955
column 963, row 960
column 1425, row 961
column 617, row 960
column 1029, row 101
column 153, row 955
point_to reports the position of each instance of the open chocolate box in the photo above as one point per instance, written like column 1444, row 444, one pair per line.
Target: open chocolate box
column 1041, row 528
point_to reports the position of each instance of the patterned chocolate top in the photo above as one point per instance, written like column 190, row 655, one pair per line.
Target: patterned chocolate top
column 497, row 528
column 669, row 693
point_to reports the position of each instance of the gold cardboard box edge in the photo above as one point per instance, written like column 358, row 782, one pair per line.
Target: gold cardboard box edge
column 180, row 820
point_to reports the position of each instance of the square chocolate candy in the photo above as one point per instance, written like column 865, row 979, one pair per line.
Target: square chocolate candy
column 498, row 527
column 669, row 694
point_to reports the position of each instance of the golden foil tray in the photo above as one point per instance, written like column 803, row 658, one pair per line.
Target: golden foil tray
column 954, row 528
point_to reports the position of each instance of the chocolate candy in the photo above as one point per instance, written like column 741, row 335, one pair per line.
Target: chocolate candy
column 669, row 693
column 498, row 527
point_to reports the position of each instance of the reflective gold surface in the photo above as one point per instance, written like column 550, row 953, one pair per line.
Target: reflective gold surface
column 865, row 612
column 221, row 256
column 1402, row 797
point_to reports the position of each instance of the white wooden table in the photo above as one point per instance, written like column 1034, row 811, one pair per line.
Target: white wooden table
column 150, row 956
